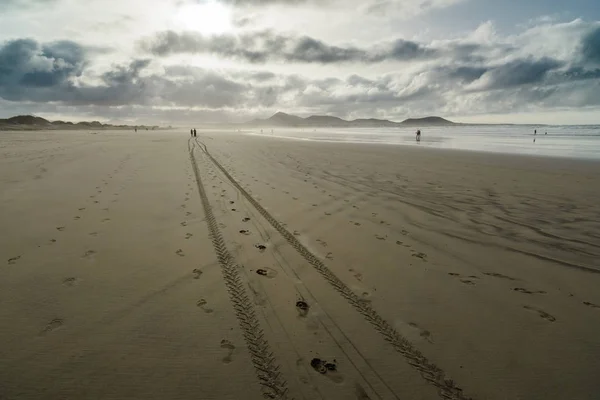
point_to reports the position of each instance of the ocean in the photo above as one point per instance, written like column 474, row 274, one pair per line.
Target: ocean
column 560, row 141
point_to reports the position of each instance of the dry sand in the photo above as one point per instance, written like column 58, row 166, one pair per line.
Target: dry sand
column 402, row 268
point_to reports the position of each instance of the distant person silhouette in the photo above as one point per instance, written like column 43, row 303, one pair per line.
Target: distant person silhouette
column 418, row 135
column 191, row 132
column 195, row 134
column 535, row 131
column 545, row 133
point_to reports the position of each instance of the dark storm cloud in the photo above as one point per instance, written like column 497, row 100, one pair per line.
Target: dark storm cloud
column 520, row 72
column 26, row 65
column 35, row 72
column 263, row 46
column 591, row 46
column 467, row 74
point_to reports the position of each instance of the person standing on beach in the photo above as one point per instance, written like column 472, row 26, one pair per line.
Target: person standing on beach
column 418, row 135
column 191, row 132
column 535, row 131
column 195, row 134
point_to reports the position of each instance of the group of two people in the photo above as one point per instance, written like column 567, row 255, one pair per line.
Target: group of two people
column 193, row 132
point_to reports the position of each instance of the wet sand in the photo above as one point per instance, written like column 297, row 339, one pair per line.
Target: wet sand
column 148, row 266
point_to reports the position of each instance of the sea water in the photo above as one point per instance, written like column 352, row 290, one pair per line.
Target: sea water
column 560, row 141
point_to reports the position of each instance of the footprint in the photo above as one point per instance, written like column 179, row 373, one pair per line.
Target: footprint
column 467, row 282
column 187, row 214
column 60, row 228
column 302, row 308
column 106, row 220
column 357, row 275
column 13, row 260
column 497, row 275
column 322, row 242
column 526, row 291
column 453, row 274
column 587, row 303
column 357, row 223
column 53, row 325
column 328, row 369
column 202, row 303
column 76, row 217
column 422, row 332
column 404, row 232
column 179, row 252
column 188, row 235
column 422, row 256
column 327, row 213
column 246, row 219
column 260, row 247
column 541, row 313
column 81, row 209
column 296, row 233
column 71, row 281
column 329, row 256
column 197, row 272
column 226, row 344
column 381, row 238
column 268, row 272
column 245, row 232
column 183, row 223
column 88, row 253
column 93, row 233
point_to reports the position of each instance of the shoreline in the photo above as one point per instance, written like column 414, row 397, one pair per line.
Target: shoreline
column 422, row 147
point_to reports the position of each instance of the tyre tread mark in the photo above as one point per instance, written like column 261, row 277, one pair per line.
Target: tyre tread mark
column 273, row 384
column 429, row 371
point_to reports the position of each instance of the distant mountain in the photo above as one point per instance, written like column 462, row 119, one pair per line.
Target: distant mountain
column 26, row 120
column 31, row 122
column 427, row 121
column 287, row 120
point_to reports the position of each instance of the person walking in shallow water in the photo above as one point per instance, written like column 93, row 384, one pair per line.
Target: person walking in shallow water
column 418, row 135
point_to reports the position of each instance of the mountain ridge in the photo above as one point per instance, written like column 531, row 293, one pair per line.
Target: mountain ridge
column 32, row 122
column 283, row 119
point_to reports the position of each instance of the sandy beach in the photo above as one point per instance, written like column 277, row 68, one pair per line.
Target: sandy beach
column 156, row 266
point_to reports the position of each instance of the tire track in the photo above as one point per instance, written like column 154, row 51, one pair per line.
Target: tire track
column 272, row 383
column 428, row 370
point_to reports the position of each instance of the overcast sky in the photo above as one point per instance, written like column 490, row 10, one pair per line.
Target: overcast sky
column 191, row 61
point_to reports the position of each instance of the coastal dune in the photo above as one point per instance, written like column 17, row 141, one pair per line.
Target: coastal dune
column 153, row 265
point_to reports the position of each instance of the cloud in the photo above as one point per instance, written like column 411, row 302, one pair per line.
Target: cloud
column 263, row 46
column 406, row 8
column 516, row 73
column 26, row 66
column 591, row 47
column 480, row 73
column 7, row 4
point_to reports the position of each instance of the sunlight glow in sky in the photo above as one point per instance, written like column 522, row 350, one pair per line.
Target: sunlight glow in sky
column 209, row 17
